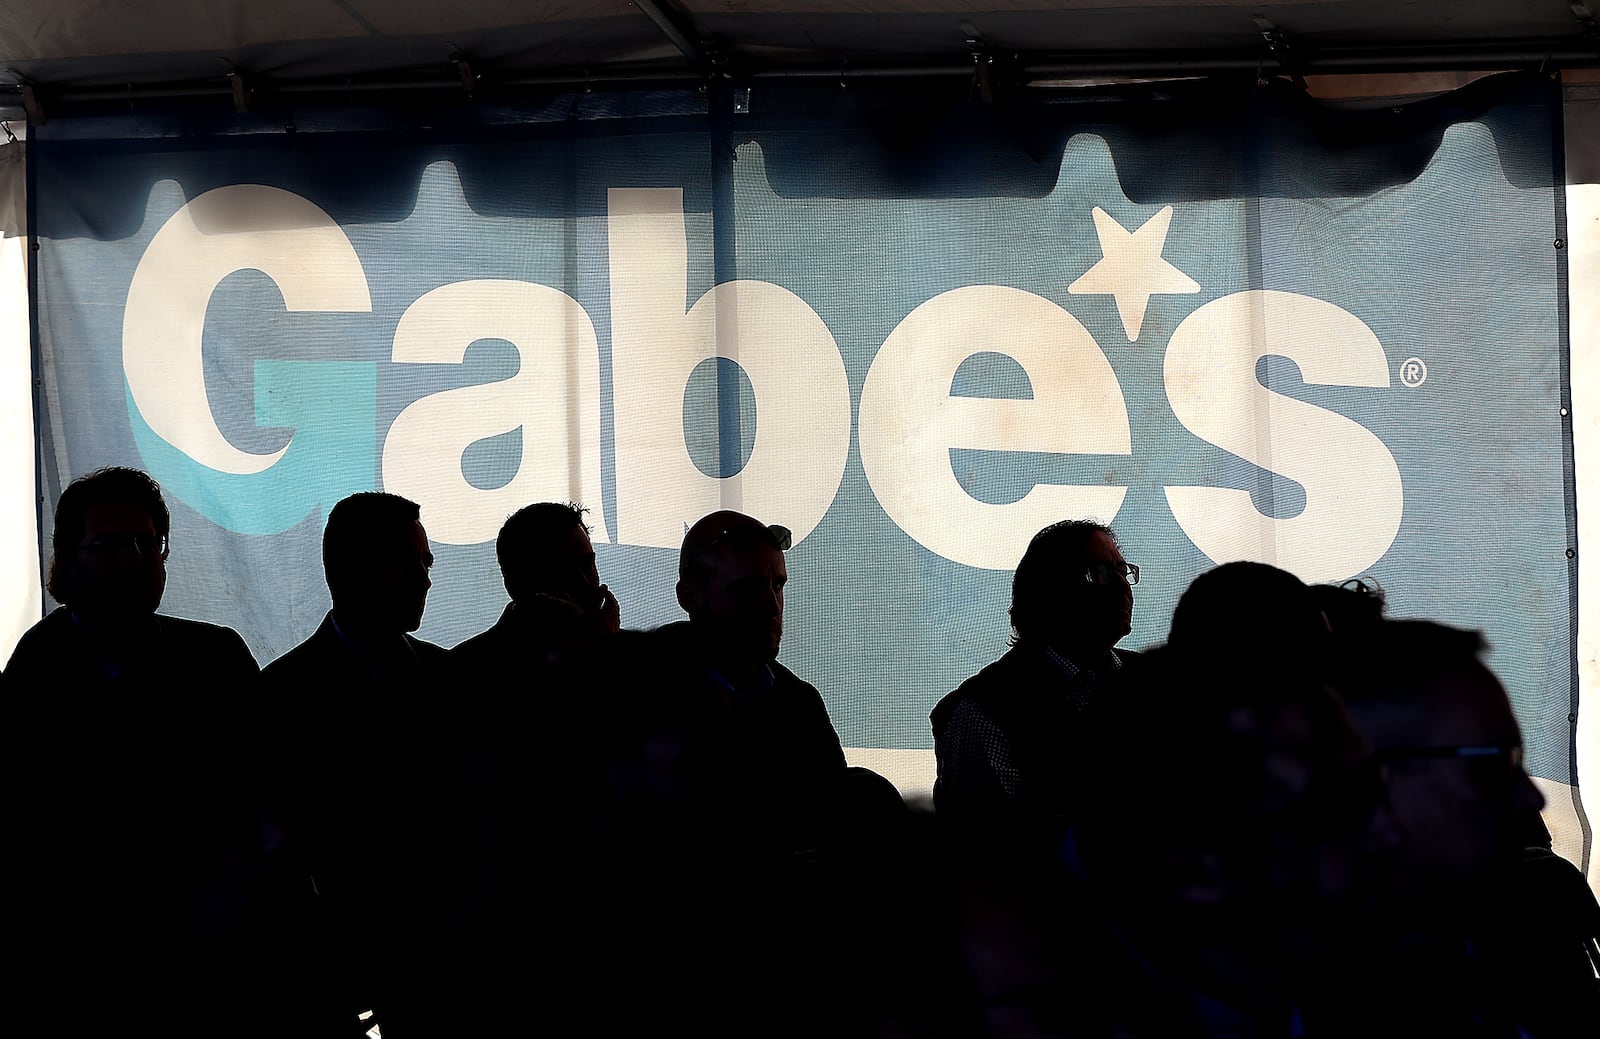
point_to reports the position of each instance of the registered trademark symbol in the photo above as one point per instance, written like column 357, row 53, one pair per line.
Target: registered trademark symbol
column 1413, row 372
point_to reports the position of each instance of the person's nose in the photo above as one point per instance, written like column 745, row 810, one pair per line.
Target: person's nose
column 1384, row 833
column 1526, row 796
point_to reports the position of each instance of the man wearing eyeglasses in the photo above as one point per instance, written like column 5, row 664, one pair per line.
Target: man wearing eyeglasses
column 1482, row 919
column 1008, row 740
column 131, row 821
column 108, row 568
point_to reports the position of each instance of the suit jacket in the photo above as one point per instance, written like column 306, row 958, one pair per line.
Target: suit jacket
column 528, row 637
column 690, row 886
column 177, row 655
column 351, row 739
column 327, row 658
column 364, row 752
column 132, row 827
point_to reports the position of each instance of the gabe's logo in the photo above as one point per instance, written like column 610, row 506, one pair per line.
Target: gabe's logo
column 907, row 420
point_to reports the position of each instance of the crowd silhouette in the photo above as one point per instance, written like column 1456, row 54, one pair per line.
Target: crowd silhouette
column 1295, row 816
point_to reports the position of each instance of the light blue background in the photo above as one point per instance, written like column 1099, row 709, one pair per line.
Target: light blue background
column 1450, row 259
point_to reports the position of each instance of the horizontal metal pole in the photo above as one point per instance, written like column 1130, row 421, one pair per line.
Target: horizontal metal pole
column 130, row 94
column 864, row 71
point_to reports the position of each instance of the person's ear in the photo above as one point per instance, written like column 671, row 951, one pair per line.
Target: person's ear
column 688, row 596
column 59, row 581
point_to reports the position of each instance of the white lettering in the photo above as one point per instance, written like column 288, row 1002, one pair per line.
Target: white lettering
column 1353, row 492
column 909, row 421
column 554, row 398
column 240, row 227
column 802, row 395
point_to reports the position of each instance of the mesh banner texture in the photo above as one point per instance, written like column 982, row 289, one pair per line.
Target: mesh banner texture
column 1229, row 322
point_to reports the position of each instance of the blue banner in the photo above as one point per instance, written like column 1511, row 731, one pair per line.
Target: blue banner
column 1230, row 322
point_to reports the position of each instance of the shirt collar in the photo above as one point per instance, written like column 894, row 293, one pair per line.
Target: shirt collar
column 1072, row 671
column 400, row 656
column 762, row 679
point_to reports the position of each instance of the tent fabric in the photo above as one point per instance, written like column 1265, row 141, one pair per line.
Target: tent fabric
column 59, row 47
column 913, row 332
column 19, row 515
column 64, row 44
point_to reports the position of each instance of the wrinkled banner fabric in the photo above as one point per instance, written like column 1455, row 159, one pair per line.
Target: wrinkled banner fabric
column 1230, row 322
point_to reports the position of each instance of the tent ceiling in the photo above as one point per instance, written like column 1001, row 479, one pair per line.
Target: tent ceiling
column 67, row 49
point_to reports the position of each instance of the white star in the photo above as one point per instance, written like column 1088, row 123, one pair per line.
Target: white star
column 1131, row 268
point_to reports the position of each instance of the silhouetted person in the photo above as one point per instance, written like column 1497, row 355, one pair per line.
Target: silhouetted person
column 508, row 796
column 1351, row 609
column 731, row 732
column 108, row 569
column 135, row 845
column 1008, row 741
column 558, row 604
column 723, row 811
column 1488, row 925
column 376, row 558
column 1223, row 876
column 368, row 754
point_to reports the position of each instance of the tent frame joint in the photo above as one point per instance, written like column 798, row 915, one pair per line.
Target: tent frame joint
column 1278, row 51
column 31, row 103
column 464, row 71
column 1587, row 24
column 241, row 91
column 707, row 59
column 982, row 61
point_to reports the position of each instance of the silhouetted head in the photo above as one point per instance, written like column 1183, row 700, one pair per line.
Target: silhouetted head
column 376, row 558
column 1073, row 590
column 1442, row 725
column 1248, row 608
column 109, row 546
column 544, row 549
column 731, row 576
column 1246, row 814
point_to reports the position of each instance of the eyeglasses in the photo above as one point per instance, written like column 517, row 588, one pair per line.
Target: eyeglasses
column 112, row 546
column 778, row 537
column 1486, row 760
column 1104, row 573
column 1512, row 752
column 1364, row 585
